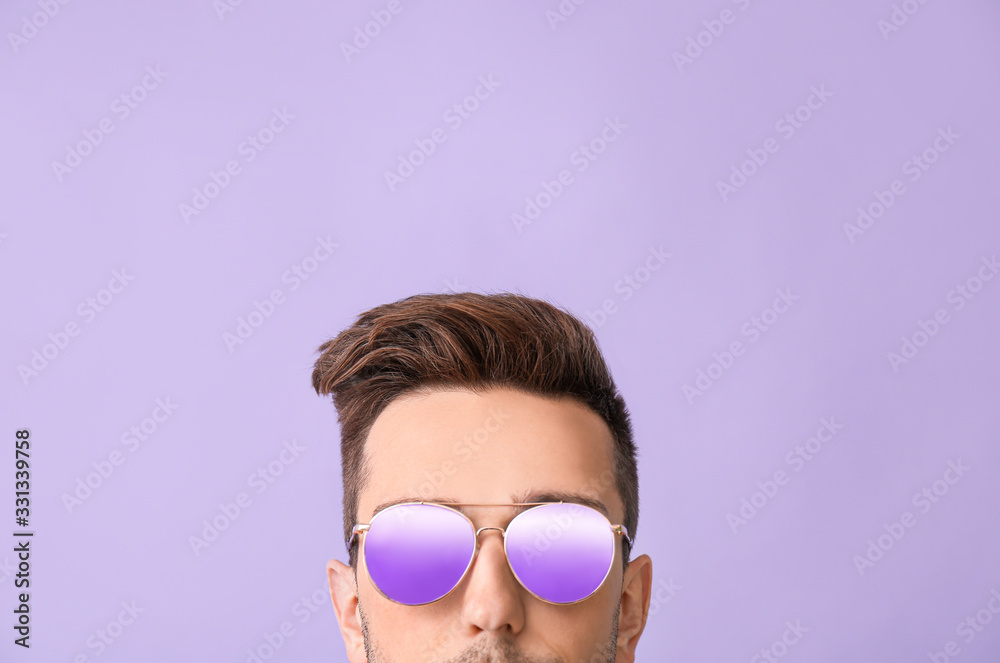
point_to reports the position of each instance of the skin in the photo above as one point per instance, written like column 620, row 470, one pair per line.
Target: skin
column 541, row 445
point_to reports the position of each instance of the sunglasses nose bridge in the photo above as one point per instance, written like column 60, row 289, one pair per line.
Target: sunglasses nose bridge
column 482, row 529
column 503, row 536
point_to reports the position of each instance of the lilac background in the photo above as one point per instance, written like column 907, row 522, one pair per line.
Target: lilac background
column 722, row 595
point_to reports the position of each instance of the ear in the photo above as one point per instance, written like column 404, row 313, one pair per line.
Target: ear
column 343, row 592
column 637, row 588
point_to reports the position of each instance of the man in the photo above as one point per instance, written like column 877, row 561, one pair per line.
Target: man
column 490, row 486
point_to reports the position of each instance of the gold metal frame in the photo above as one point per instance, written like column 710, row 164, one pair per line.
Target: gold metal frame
column 363, row 527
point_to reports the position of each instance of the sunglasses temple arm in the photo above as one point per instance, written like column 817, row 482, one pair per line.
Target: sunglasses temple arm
column 354, row 533
column 620, row 529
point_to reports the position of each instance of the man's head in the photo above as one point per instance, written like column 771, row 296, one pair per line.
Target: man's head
column 483, row 399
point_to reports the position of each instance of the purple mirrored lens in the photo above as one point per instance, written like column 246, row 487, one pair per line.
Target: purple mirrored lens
column 560, row 552
column 417, row 553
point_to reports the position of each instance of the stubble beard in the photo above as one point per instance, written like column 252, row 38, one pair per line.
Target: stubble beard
column 506, row 653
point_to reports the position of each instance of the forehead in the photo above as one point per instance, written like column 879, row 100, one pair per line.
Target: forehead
column 494, row 447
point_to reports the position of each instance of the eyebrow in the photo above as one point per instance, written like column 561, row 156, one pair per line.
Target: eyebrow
column 527, row 496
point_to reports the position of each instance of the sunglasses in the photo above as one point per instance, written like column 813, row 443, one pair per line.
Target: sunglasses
column 417, row 553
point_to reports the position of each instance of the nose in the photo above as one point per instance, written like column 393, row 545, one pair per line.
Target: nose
column 492, row 600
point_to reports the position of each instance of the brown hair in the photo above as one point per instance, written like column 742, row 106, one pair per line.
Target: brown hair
column 474, row 342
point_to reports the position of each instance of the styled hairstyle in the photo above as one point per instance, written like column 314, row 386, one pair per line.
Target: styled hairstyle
column 473, row 342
